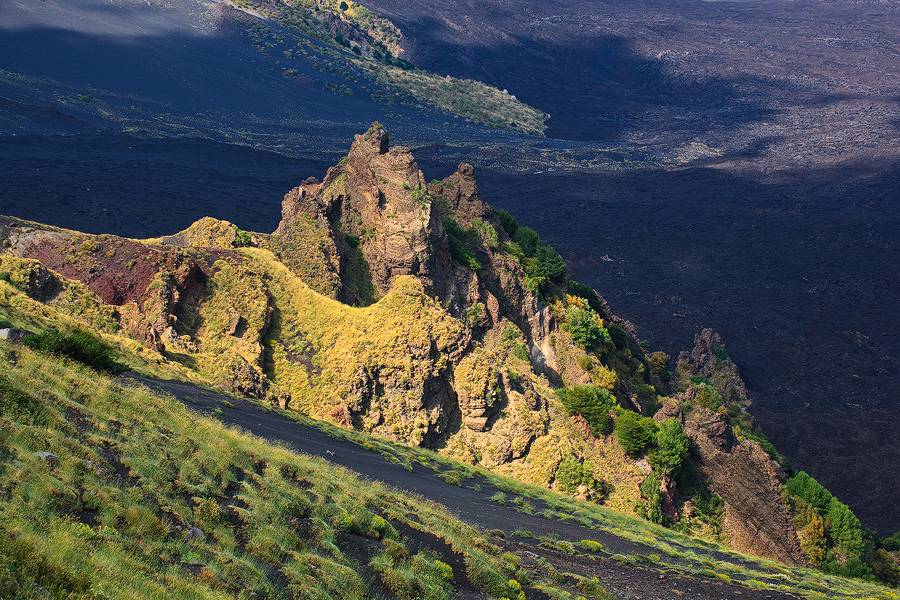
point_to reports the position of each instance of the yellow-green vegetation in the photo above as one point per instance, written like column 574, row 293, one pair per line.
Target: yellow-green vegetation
column 74, row 307
column 389, row 339
column 22, row 280
column 374, row 49
column 305, row 249
column 467, row 98
column 208, row 233
column 108, row 490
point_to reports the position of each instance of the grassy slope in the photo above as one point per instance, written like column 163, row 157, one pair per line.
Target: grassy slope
column 470, row 99
column 277, row 524
column 117, row 526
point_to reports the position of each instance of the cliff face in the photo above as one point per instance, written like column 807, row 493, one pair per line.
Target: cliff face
column 375, row 218
column 749, row 482
column 406, row 309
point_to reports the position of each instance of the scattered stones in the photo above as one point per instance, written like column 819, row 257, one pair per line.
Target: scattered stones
column 195, row 534
column 97, row 469
column 48, row 457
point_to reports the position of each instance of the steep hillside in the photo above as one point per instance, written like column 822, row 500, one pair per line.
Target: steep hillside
column 196, row 68
column 413, row 311
column 113, row 489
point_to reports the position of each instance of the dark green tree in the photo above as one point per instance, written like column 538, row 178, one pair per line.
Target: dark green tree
column 810, row 490
column 528, row 240
column 671, row 447
column 846, row 530
column 507, row 221
column 635, row 433
column 586, row 332
column 592, row 403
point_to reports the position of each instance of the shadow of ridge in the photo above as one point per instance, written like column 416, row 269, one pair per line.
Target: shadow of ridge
column 590, row 83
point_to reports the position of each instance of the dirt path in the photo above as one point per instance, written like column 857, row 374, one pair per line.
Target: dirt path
column 472, row 506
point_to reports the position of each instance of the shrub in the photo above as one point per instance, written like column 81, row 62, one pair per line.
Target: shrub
column 507, row 221
column 583, row 291
column 521, row 352
column 352, row 240
column 528, row 240
column 651, row 493
column 618, row 336
column 457, row 237
column 708, row 397
column 241, row 238
column 853, row 567
column 571, row 474
column 810, row 490
column 671, row 447
column 590, row 546
column 846, row 531
column 634, row 432
column 884, row 568
column 547, row 263
column 586, row 332
column 585, row 362
column 79, row 345
column 660, row 366
column 592, row 403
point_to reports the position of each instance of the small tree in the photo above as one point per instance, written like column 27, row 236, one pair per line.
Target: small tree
column 571, row 474
column 592, row 403
column 671, row 447
column 344, row 5
column 634, row 432
column 586, row 332
column 528, row 240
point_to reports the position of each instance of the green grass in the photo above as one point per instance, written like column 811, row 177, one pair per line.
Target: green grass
column 118, row 524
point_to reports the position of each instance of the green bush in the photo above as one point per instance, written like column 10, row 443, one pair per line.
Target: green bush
column 571, row 474
column 853, row 567
column 846, row 530
column 708, row 397
column 528, row 240
column 79, row 345
column 810, row 490
column 242, row 239
column 660, row 365
column 592, row 403
column 884, row 568
column 618, row 336
column 586, row 332
column 671, row 447
column 585, row 362
column 589, row 296
column 458, row 238
column 651, row 493
column 507, row 221
column 547, row 264
column 635, row 433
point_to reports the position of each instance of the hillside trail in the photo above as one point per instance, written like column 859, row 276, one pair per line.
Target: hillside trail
column 475, row 507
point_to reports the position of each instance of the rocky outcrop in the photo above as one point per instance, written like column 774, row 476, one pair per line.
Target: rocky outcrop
column 709, row 431
column 375, row 218
column 749, row 482
column 669, row 410
column 755, row 519
column 709, row 359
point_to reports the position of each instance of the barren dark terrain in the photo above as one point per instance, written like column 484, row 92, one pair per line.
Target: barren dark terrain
column 779, row 234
